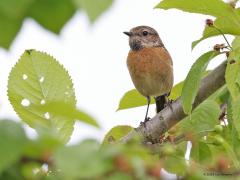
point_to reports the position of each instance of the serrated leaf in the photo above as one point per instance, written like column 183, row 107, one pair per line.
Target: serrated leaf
column 52, row 14
column 132, row 99
column 193, row 79
column 82, row 161
column 12, row 141
column 36, row 79
column 209, row 7
column 203, row 118
column 68, row 111
column 116, row 133
column 93, row 8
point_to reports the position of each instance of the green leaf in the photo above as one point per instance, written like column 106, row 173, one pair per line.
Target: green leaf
column 119, row 176
column 116, row 133
column 132, row 99
column 232, row 74
column 201, row 153
column 37, row 79
column 202, row 119
column 231, row 154
column 83, row 161
column 14, row 8
column 68, row 111
column 10, row 30
column 14, row 172
column 175, row 164
column 232, row 133
column 226, row 25
column 173, row 157
column 12, row 141
column 193, row 79
column 228, row 18
column 221, row 95
column 93, row 8
column 236, row 114
column 209, row 7
column 12, row 13
column 176, row 91
column 52, row 14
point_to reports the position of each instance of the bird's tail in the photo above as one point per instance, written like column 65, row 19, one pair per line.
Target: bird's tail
column 160, row 102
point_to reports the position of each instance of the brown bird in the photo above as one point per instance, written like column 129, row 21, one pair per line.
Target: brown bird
column 150, row 65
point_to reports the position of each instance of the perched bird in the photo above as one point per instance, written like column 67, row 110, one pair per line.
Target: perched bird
column 150, row 65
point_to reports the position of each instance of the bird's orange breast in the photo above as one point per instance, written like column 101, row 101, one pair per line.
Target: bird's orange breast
column 151, row 70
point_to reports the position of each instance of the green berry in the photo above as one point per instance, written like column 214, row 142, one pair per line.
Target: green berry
column 218, row 128
column 218, row 140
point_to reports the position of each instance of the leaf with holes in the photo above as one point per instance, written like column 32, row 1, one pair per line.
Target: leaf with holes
column 36, row 79
column 68, row 111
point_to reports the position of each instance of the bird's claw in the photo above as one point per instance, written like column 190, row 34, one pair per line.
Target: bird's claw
column 169, row 104
column 143, row 123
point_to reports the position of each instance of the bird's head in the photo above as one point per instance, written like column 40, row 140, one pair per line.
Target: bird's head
column 143, row 36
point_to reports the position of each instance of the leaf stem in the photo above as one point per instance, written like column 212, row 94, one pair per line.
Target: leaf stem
column 219, row 30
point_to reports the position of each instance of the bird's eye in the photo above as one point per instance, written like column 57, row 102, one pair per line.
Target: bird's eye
column 145, row 33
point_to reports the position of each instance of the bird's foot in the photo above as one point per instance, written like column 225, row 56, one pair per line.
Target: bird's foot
column 169, row 103
column 143, row 123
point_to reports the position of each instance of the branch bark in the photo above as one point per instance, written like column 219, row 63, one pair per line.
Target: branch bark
column 170, row 116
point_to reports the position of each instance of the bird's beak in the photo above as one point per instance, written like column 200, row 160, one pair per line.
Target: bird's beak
column 128, row 33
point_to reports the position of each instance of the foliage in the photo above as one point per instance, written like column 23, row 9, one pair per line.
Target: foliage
column 42, row 94
column 51, row 14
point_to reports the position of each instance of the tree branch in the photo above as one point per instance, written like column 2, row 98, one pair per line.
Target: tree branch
column 170, row 116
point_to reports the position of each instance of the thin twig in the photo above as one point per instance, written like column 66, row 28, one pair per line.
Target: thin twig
column 220, row 31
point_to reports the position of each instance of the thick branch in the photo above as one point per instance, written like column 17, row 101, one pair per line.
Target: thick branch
column 171, row 115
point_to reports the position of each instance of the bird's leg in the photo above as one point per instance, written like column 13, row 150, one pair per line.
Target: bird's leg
column 146, row 116
column 148, row 103
column 168, row 101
